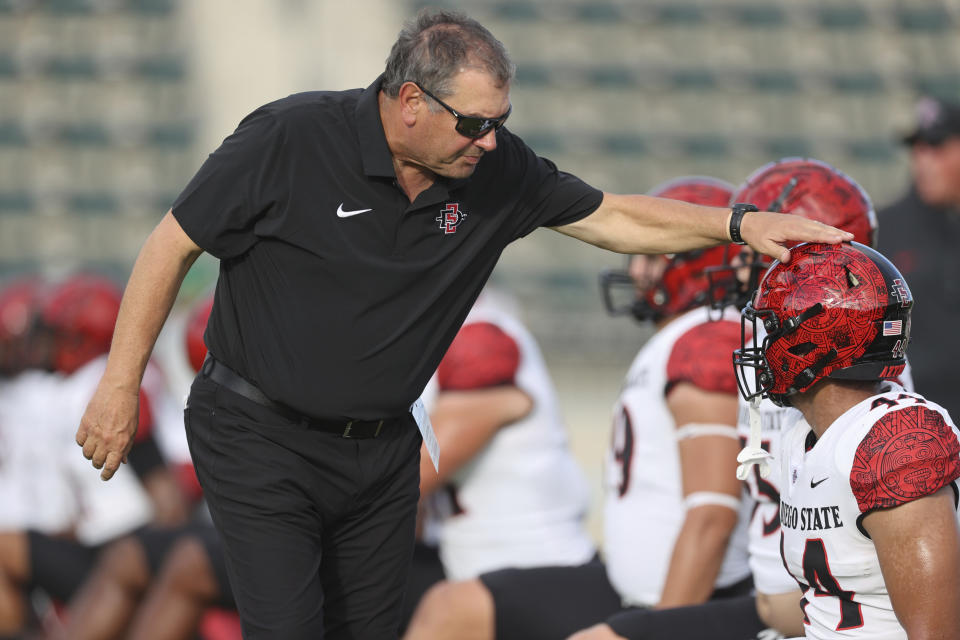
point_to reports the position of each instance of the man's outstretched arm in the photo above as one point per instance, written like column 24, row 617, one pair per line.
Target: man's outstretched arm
column 108, row 425
column 646, row 224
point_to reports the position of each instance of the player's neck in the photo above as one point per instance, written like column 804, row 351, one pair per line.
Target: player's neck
column 827, row 400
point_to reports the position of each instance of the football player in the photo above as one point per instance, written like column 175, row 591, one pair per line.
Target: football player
column 673, row 500
column 867, row 480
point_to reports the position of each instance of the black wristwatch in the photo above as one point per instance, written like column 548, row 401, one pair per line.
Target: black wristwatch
column 739, row 209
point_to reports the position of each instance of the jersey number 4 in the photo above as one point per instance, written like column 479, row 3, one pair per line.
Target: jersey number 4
column 816, row 572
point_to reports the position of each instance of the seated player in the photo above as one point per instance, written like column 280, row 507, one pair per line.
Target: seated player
column 673, row 500
column 509, row 492
column 867, row 480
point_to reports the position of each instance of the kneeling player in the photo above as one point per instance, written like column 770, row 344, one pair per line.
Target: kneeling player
column 868, row 493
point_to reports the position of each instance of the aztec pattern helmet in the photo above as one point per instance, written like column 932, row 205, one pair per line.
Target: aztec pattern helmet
column 81, row 313
column 682, row 284
column 834, row 311
column 19, row 311
column 196, row 325
column 804, row 187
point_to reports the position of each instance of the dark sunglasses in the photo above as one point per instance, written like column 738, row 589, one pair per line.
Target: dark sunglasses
column 470, row 126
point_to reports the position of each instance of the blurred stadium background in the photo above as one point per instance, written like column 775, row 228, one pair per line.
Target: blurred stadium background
column 107, row 107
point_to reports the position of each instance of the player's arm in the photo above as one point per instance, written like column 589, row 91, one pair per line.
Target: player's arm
column 478, row 396
column 645, row 224
column 107, row 428
column 918, row 544
column 464, row 422
column 708, row 447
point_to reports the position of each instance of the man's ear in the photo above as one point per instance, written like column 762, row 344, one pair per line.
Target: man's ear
column 412, row 102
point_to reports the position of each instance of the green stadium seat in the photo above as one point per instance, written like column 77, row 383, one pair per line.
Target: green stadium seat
column 12, row 134
column 686, row 79
column 16, row 201
column 842, row 16
column 85, row 134
column 72, row 67
column 162, row 68
column 880, row 150
column 93, row 203
column 862, row 82
column 598, row 12
column 782, row 147
column 533, row 75
column 931, row 17
column 516, row 11
column 152, row 7
column 943, row 85
column 8, row 66
column 68, row 7
column 611, row 76
column 711, row 146
column 758, row 15
column 680, row 13
column 171, row 135
column 776, row 80
column 625, row 144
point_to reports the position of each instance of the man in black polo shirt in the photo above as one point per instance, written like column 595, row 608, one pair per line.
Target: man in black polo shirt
column 354, row 230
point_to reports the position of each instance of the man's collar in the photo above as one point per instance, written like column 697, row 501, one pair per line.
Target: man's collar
column 377, row 160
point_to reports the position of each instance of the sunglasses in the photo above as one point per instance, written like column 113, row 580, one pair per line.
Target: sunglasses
column 470, row 126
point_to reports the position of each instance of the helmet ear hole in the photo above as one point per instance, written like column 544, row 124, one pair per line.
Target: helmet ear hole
column 802, row 349
column 852, row 279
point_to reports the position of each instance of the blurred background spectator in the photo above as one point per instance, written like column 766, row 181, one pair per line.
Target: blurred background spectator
column 921, row 231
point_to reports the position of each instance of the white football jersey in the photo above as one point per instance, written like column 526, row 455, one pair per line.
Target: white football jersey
column 644, row 498
column 35, row 490
column 769, row 575
column 523, row 499
column 885, row 451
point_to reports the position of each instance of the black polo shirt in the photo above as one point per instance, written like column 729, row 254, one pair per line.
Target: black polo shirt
column 338, row 312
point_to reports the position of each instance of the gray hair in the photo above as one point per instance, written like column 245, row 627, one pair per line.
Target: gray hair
column 436, row 45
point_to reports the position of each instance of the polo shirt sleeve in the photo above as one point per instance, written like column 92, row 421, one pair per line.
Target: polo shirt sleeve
column 235, row 187
column 552, row 198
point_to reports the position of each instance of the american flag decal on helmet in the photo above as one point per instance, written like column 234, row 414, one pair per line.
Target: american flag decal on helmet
column 892, row 327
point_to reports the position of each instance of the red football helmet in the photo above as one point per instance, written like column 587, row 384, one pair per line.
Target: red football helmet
column 81, row 313
column 812, row 189
column 19, row 309
column 682, row 284
column 835, row 311
column 804, row 187
column 196, row 325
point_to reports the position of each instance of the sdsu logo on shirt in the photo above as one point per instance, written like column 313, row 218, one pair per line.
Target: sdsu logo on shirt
column 450, row 218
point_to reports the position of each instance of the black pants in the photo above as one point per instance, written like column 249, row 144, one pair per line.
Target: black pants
column 317, row 530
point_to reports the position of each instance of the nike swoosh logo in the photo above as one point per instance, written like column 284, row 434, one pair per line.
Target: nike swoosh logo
column 346, row 214
column 814, row 485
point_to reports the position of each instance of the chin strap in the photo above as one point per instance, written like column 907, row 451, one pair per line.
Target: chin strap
column 753, row 453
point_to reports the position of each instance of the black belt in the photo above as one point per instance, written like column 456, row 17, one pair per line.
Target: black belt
column 343, row 427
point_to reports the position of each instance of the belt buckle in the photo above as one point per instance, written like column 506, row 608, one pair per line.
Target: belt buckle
column 349, row 427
